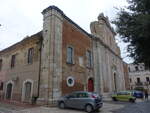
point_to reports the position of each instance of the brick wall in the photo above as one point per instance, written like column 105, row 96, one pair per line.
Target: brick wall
column 81, row 43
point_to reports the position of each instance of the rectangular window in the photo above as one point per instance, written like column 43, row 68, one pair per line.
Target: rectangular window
column 70, row 53
column 136, row 68
column 138, row 80
column 89, row 58
column 147, row 79
column 130, row 80
column 30, row 55
column 13, row 60
column 1, row 64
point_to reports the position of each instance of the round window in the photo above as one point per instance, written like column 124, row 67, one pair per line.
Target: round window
column 70, row 81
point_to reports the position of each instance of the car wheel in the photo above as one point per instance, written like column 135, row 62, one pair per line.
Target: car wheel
column 88, row 108
column 62, row 105
column 132, row 100
column 114, row 99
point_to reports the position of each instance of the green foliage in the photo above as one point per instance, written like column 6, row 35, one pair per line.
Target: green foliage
column 133, row 26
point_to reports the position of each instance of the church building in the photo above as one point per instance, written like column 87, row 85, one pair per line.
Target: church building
column 60, row 59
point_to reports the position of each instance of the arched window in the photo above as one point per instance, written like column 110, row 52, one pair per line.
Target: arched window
column 9, row 89
column 27, row 90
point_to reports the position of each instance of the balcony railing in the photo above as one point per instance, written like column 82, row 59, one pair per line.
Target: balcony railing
column 139, row 83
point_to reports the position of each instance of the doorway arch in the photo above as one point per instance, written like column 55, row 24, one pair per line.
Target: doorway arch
column 115, row 81
column 90, row 85
column 27, row 90
column 9, row 90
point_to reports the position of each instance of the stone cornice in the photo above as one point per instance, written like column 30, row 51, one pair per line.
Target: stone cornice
column 67, row 18
column 25, row 40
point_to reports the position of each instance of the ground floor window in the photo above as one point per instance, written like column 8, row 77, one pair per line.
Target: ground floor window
column 9, row 91
column 27, row 90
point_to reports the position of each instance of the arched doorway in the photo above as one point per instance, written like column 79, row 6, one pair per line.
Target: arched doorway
column 90, row 85
column 9, row 91
column 28, row 86
column 115, row 82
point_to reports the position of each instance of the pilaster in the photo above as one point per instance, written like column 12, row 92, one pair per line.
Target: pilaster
column 51, row 61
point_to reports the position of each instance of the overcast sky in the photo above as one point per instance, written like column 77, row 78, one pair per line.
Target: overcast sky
column 21, row 18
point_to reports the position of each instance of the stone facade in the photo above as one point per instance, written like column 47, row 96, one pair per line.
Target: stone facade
column 66, row 59
column 108, row 65
column 139, row 76
column 22, row 71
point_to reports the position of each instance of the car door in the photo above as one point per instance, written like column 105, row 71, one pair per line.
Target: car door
column 81, row 100
column 124, row 96
column 121, row 96
column 71, row 100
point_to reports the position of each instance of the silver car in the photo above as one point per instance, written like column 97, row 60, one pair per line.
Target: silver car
column 87, row 101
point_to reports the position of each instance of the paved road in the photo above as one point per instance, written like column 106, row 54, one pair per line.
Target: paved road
column 6, row 108
column 141, row 107
column 108, row 107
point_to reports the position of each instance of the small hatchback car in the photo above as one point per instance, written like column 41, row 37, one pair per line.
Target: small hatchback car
column 138, row 94
column 87, row 101
column 124, row 96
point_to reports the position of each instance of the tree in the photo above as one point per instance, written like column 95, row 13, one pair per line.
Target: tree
column 133, row 26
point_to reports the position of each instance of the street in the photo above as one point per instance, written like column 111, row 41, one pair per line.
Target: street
column 7, row 108
column 141, row 107
column 108, row 107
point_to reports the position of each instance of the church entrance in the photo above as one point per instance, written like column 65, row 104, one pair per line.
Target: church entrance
column 115, row 82
column 90, row 85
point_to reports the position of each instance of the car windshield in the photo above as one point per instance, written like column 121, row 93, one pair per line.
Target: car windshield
column 124, row 93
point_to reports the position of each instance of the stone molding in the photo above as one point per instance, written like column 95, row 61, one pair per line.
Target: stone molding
column 12, row 82
column 24, row 89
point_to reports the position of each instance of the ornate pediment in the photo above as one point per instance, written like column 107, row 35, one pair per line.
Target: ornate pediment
column 98, row 27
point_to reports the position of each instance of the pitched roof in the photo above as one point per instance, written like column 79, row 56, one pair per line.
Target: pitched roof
column 26, row 39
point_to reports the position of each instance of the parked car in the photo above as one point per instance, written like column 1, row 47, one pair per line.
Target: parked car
column 124, row 96
column 87, row 101
column 138, row 94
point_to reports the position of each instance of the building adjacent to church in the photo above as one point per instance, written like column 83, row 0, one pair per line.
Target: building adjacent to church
column 139, row 76
column 62, row 58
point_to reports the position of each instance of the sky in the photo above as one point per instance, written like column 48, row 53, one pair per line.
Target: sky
column 21, row 18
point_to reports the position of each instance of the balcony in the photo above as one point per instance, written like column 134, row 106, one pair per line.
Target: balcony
column 138, row 83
